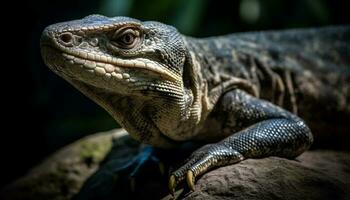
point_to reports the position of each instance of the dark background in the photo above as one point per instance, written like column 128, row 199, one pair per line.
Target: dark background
column 42, row 112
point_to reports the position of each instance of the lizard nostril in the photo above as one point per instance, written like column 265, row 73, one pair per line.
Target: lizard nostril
column 66, row 38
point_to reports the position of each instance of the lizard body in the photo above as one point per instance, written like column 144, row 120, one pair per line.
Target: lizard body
column 232, row 91
column 299, row 70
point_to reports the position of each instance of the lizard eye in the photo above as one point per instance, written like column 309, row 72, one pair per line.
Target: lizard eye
column 126, row 38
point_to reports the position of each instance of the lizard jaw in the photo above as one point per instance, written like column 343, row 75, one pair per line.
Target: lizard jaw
column 104, row 64
column 113, row 74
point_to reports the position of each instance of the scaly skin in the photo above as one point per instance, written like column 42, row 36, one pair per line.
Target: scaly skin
column 165, row 88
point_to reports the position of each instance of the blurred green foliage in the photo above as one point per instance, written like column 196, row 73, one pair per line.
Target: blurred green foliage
column 189, row 16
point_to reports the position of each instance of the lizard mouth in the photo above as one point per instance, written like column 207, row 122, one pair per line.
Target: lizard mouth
column 102, row 64
column 107, row 72
column 108, row 66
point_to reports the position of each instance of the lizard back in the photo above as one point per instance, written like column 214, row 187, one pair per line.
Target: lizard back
column 304, row 70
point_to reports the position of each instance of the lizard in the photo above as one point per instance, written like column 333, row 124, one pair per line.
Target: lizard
column 244, row 95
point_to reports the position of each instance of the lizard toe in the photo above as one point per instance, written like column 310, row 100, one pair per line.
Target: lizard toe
column 200, row 162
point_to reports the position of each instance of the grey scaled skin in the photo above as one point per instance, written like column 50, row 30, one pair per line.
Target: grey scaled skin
column 232, row 92
column 265, row 130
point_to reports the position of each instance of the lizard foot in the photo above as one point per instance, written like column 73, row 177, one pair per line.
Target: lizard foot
column 202, row 160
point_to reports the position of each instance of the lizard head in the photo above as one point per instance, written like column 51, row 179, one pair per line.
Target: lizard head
column 120, row 54
column 129, row 68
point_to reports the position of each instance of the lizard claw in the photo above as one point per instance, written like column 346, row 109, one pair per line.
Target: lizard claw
column 172, row 185
column 201, row 161
column 190, row 179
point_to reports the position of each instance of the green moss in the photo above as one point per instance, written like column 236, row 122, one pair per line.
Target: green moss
column 95, row 151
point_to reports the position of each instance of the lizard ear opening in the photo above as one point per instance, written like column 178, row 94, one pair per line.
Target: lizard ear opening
column 189, row 72
column 192, row 78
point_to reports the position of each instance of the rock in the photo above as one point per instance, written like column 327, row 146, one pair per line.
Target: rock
column 94, row 168
column 313, row 175
column 63, row 173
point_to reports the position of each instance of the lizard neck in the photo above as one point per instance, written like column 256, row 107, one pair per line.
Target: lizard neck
column 182, row 120
column 131, row 113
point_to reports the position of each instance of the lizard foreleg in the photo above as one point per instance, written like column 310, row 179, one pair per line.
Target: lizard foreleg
column 267, row 130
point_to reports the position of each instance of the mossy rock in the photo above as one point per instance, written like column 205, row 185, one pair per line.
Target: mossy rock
column 88, row 169
column 62, row 174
